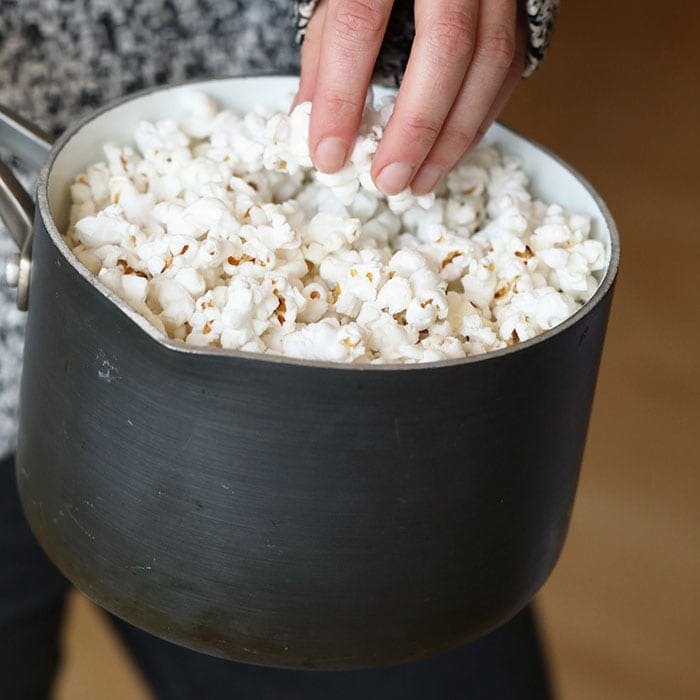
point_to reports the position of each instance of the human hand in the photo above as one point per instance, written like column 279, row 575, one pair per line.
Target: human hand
column 467, row 58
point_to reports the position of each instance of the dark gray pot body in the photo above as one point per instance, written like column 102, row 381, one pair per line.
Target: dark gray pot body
column 284, row 514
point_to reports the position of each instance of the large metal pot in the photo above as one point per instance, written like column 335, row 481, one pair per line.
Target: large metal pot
column 281, row 512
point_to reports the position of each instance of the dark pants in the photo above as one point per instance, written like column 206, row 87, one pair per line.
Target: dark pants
column 505, row 665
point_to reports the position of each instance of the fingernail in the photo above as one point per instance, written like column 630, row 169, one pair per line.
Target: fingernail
column 426, row 179
column 330, row 154
column 394, row 178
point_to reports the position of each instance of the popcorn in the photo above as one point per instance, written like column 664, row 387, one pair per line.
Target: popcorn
column 395, row 295
column 388, row 335
column 328, row 233
column 107, row 226
column 317, row 303
column 326, row 340
column 175, row 302
column 425, row 309
column 220, row 233
column 530, row 313
column 479, row 284
column 436, row 348
column 202, row 113
column 287, row 147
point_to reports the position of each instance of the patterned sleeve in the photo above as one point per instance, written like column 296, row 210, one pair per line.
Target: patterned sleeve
column 303, row 9
column 399, row 36
column 540, row 23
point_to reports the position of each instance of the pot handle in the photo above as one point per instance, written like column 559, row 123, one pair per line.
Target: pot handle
column 31, row 146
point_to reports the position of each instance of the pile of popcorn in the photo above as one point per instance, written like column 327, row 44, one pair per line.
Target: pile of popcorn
column 219, row 231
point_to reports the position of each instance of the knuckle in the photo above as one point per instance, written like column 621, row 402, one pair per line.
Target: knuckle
column 337, row 103
column 456, row 24
column 458, row 137
column 452, row 32
column 421, row 128
column 498, row 47
column 452, row 145
column 359, row 20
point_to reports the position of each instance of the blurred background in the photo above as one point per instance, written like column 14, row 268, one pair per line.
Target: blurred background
column 617, row 97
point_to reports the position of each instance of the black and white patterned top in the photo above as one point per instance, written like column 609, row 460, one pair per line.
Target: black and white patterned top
column 61, row 58
column 540, row 23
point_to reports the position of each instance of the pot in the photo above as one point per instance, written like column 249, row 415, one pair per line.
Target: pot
column 283, row 512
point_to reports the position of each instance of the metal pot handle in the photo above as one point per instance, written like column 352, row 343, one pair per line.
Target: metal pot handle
column 30, row 145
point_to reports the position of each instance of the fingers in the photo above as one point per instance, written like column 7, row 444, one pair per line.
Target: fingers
column 445, row 31
column 492, row 59
column 515, row 74
column 310, row 55
column 511, row 82
column 352, row 35
column 460, row 74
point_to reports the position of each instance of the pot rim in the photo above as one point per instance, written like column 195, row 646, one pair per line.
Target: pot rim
column 180, row 347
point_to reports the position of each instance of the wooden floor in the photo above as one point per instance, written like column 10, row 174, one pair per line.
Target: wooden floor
column 619, row 97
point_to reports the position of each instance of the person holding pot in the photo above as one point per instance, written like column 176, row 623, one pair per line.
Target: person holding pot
column 458, row 62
